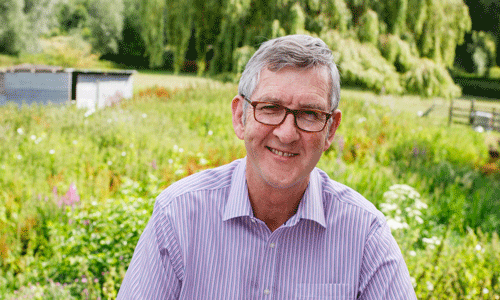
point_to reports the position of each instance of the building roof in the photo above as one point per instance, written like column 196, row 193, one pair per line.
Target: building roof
column 31, row 68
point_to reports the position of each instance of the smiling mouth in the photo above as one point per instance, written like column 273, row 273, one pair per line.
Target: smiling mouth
column 281, row 153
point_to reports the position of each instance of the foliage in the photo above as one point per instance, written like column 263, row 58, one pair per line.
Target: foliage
column 65, row 51
column 363, row 65
column 368, row 30
column 178, row 14
column 241, row 57
column 430, row 79
column 105, row 24
column 152, row 30
column 13, row 26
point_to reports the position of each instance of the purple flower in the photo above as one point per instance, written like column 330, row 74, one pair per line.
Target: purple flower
column 84, row 280
column 86, row 222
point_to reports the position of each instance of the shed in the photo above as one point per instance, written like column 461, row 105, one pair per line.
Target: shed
column 92, row 89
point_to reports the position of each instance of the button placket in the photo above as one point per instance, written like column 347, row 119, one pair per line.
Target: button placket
column 269, row 265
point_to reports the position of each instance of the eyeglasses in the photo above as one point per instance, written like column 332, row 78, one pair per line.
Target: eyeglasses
column 309, row 120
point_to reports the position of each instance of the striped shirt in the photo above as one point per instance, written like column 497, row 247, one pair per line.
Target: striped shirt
column 203, row 242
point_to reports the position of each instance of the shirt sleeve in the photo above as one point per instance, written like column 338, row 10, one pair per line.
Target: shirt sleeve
column 151, row 274
column 384, row 274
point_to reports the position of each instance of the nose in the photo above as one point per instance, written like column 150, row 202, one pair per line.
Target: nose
column 287, row 132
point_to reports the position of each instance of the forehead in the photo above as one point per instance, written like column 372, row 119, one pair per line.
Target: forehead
column 294, row 87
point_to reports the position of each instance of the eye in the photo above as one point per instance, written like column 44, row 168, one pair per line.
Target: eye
column 311, row 114
column 269, row 107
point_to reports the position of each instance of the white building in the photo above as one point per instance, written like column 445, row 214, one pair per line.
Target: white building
column 92, row 89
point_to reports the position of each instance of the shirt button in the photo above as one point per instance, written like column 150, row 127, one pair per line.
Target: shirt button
column 267, row 292
column 272, row 245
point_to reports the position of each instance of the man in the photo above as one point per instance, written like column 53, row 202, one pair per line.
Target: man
column 271, row 225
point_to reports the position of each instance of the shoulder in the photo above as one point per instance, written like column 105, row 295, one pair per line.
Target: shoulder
column 207, row 180
column 341, row 198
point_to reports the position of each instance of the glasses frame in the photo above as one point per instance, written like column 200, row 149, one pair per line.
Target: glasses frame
column 294, row 112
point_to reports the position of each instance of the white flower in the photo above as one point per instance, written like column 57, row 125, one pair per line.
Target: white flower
column 109, row 121
column 20, row 131
column 89, row 112
column 387, row 207
column 203, row 161
column 210, row 132
column 179, row 172
column 52, row 151
column 33, row 137
column 75, row 142
column 19, row 156
column 176, row 147
column 110, row 163
column 361, row 120
column 430, row 286
column 181, row 150
column 420, row 205
column 395, row 225
column 478, row 247
column 413, row 253
column 124, row 153
column 144, row 116
column 419, row 220
column 485, row 291
column 170, row 161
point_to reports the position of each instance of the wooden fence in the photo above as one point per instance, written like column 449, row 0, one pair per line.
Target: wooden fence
column 488, row 118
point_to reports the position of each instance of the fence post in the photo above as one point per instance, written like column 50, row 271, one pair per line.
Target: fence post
column 493, row 119
column 471, row 115
column 451, row 112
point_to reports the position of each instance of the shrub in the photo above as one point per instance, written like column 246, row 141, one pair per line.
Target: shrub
column 368, row 28
column 430, row 79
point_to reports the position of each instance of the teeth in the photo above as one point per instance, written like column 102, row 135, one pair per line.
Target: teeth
column 280, row 153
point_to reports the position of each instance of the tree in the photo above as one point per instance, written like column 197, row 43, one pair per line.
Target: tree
column 13, row 26
column 152, row 30
column 178, row 25
column 106, row 24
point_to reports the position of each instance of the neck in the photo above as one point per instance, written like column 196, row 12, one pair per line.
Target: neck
column 274, row 205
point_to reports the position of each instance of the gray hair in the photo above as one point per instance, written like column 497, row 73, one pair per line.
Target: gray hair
column 298, row 51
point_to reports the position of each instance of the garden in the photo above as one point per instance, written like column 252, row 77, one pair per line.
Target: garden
column 77, row 189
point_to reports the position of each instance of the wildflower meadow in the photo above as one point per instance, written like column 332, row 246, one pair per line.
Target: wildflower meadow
column 77, row 188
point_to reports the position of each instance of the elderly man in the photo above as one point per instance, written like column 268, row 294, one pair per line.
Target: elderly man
column 271, row 225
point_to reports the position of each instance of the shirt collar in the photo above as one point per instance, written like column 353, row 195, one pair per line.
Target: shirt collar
column 238, row 203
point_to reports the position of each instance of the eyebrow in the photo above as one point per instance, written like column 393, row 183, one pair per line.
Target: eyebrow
column 306, row 106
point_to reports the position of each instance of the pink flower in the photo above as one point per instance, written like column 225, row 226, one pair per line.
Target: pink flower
column 71, row 196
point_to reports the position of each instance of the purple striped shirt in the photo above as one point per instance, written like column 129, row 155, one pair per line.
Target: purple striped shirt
column 203, row 242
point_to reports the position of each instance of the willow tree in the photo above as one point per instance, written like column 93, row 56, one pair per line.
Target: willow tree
column 13, row 25
column 438, row 27
column 152, row 30
column 207, row 19
column 106, row 24
column 234, row 22
column 178, row 27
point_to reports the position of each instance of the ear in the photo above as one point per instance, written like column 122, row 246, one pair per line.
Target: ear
column 332, row 128
column 237, row 111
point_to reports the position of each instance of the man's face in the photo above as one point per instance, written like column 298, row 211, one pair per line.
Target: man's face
column 284, row 155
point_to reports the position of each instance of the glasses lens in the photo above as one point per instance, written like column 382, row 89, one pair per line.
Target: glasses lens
column 311, row 120
column 269, row 113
